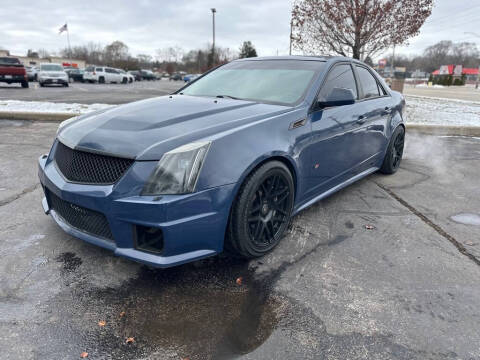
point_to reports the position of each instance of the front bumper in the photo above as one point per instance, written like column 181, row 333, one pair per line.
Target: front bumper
column 193, row 225
column 53, row 80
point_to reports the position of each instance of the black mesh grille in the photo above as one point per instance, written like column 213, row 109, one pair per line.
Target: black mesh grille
column 85, row 167
column 82, row 219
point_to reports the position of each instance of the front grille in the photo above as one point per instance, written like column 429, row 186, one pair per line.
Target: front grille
column 82, row 219
column 84, row 167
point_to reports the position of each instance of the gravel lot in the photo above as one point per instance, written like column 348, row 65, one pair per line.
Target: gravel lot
column 408, row 289
column 90, row 93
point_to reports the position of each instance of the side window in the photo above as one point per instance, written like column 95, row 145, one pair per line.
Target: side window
column 368, row 82
column 99, row 69
column 341, row 76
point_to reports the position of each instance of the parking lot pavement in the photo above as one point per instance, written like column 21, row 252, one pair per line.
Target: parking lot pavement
column 90, row 93
column 406, row 289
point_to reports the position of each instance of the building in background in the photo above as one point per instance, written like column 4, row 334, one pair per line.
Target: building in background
column 34, row 61
column 468, row 75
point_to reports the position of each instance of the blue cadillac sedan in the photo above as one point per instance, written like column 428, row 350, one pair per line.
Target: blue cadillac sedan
column 223, row 163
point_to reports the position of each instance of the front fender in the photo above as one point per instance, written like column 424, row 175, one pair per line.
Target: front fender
column 233, row 156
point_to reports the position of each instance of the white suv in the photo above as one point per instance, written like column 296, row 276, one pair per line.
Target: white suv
column 103, row 75
column 50, row 73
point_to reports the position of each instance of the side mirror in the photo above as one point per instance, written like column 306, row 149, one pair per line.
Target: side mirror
column 338, row 97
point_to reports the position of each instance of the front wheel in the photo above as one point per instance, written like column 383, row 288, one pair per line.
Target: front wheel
column 24, row 84
column 394, row 153
column 262, row 211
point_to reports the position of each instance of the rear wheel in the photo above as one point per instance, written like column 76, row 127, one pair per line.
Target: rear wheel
column 394, row 154
column 262, row 211
column 24, row 84
column 101, row 80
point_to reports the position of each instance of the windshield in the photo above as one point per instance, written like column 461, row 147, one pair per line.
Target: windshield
column 51, row 67
column 272, row 81
column 9, row 61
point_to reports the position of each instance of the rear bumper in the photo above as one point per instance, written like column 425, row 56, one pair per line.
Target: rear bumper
column 13, row 78
column 193, row 225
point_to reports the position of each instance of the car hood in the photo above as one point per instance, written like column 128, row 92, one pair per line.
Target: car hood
column 52, row 73
column 145, row 130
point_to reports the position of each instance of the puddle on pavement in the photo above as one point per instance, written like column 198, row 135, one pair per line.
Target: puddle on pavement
column 198, row 312
column 467, row 219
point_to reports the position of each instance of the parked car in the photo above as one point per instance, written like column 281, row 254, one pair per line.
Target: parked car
column 190, row 77
column 130, row 77
column 13, row 71
column 175, row 77
column 225, row 162
column 31, row 73
column 75, row 74
column 147, row 75
column 52, row 74
column 136, row 74
column 103, row 74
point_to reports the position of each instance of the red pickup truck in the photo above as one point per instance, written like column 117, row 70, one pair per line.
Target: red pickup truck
column 13, row 71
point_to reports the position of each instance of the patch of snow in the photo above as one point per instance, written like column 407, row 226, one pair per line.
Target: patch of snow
column 49, row 107
column 428, row 110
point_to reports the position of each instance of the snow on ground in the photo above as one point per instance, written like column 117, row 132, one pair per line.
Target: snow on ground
column 439, row 111
column 420, row 110
column 49, row 107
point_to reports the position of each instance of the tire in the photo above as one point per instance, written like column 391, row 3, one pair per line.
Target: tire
column 101, row 80
column 393, row 156
column 24, row 84
column 35, row 78
column 261, row 211
column 66, row 84
column 124, row 80
column 41, row 84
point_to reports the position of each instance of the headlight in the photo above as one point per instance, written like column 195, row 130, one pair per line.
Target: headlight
column 177, row 171
column 65, row 122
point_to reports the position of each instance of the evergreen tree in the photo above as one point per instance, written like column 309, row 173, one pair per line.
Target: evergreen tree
column 247, row 50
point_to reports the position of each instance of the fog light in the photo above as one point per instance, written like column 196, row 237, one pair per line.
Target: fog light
column 148, row 239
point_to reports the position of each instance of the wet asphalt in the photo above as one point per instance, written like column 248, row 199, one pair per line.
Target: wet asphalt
column 408, row 287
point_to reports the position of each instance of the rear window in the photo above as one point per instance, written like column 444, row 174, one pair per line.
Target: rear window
column 90, row 68
column 9, row 60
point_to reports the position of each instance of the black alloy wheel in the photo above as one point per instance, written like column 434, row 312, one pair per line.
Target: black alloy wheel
column 394, row 154
column 262, row 211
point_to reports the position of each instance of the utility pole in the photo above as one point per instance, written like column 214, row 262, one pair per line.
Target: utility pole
column 213, row 46
column 291, row 32
column 393, row 61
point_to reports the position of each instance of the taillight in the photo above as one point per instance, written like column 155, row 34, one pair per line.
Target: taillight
column 94, row 73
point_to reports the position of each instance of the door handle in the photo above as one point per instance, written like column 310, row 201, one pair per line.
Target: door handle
column 361, row 120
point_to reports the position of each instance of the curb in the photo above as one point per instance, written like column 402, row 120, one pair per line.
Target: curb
column 452, row 130
column 35, row 116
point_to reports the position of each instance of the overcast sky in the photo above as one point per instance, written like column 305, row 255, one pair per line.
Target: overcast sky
column 146, row 25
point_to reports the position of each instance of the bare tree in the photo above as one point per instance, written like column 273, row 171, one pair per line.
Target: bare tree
column 357, row 28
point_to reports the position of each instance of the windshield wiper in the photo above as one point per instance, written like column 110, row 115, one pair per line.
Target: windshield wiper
column 228, row 96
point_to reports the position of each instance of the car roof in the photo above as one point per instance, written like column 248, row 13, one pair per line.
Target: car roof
column 302, row 58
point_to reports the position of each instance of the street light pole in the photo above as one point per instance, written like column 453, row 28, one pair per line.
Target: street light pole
column 213, row 46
